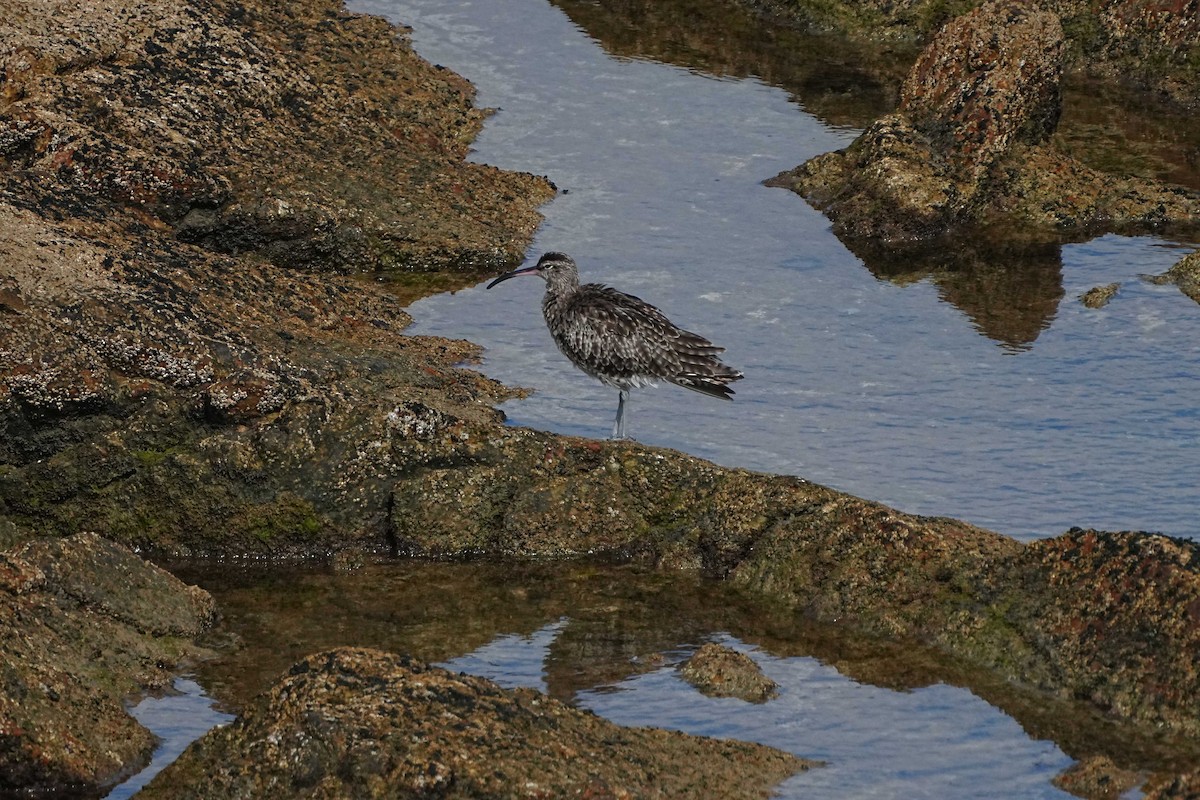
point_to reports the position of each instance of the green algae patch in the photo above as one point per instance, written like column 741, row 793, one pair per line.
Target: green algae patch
column 289, row 516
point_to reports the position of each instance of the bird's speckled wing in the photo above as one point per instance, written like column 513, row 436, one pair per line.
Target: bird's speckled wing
column 624, row 341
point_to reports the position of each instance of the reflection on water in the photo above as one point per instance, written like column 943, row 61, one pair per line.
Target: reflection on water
column 892, row 717
column 843, row 83
column 872, row 380
column 1009, row 290
column 937, row 741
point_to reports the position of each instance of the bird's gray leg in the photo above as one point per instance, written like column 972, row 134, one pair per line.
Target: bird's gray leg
column 619, row 425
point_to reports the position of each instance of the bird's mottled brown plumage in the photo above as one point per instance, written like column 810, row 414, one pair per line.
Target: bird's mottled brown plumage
column 622, row 340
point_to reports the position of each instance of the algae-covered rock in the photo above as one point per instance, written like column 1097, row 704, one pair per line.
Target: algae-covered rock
column 83, row 624
column 968, row 146
column 1185, row 274
column 364, row 724
column 173, row 373
column 720, row 671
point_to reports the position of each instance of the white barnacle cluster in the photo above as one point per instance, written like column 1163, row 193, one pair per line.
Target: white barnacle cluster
column 223, row 398
column 414, row 420
column 417, row 421
column 48, row 389
column 136, row 358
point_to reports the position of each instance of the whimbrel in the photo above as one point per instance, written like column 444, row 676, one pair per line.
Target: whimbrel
column 622, row 340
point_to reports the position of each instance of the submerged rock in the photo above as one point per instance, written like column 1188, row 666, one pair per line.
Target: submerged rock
column 1098, row 296
column 364, row 723
column 83, row 624
column 969, row 146
column 720, row 671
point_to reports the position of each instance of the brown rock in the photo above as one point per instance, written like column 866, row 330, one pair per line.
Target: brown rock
column 83, row 624
column 1180, row 787
column 720, row 671
column 988, row 80
column 968, row 147
column 364, row 724
column 1097, row 778
column 297, row 125
column 1098, row 296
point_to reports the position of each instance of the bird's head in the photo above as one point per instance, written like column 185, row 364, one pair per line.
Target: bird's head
column 557, row 269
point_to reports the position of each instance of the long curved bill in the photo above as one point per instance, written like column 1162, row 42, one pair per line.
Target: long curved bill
column 532, row 270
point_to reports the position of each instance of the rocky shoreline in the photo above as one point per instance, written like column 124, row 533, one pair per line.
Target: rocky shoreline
column 191, row 364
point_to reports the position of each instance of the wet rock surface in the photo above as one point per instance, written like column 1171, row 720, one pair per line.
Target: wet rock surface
column 156, row 386
column 1185, row 274
column 720, row 671
column 1098, row 296
column 1150, row 45
column 364, row 723
column 969, row 148
column 84, row 623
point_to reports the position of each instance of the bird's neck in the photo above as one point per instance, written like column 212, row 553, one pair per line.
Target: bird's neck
column 559, row 291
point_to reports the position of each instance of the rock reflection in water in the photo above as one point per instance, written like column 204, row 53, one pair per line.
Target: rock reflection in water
column 841, row 82
column 594, row 628
column 1009, row 290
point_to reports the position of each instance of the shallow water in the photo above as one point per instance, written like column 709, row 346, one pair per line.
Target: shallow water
column 177, row 718
column 936, row 741
column 891, row 719
column 975, row 387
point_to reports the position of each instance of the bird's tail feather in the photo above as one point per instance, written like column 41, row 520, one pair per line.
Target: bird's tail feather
column 711, row 385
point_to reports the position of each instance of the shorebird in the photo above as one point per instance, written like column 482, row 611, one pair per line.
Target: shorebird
column 622, row 340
